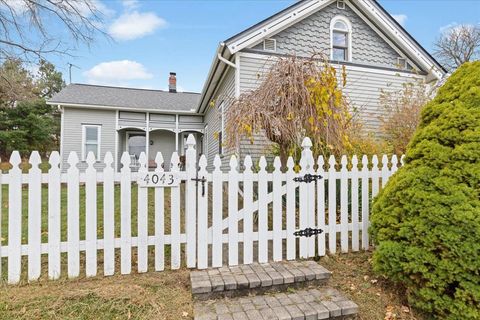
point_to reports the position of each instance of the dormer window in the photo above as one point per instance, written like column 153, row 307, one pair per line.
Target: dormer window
column 341, row 39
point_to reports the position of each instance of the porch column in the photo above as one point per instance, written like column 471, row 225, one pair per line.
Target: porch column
column 147, row 138
column 176, row 132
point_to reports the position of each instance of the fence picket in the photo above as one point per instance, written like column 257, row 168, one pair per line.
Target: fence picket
column 394, row 164
column 344, row 204
column 34, row 216
column 190, row 201
column 354, row 195
column 1, row 216
column 291, row 212
column 375, row 176
column 175, row 216
column 262, row 211
column 91, row 217
column 332, row 205
column 125, row 215
column 54, row 206
column 108, row 216
column 14, row 219
column 321, row 206
column 277, row 210
column 159, row 219
column 365, row 201
column 73, row 216
column 217, row 214
column 232, row 212
column 202, row 194
column 385, row 171
column 142, row 219
column 248, row 209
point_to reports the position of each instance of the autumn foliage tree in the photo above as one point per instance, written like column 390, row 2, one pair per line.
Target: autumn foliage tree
column 299, row 97
column 402, row 109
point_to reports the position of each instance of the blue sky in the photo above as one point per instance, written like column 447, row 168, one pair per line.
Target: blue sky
column 153, row 38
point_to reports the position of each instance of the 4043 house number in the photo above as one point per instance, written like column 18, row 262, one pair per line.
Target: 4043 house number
column 158, row 179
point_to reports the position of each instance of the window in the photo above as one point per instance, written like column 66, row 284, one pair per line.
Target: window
column 91, row 140
column 270, row 45
column 341, row 39
column 403, row 64
column 341, row 4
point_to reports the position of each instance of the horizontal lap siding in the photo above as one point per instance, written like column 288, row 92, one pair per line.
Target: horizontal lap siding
column 74, row 118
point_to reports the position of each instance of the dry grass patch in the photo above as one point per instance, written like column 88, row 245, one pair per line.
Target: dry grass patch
column 377, row 298
column 154, row 295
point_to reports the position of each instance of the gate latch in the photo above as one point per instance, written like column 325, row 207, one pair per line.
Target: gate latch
column 202, row 180
column 308, row 232
column 308, row 178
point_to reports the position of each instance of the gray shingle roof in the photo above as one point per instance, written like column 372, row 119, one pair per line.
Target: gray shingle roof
column 126, row 98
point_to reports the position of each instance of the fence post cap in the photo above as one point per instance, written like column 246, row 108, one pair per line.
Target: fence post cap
column 108, row 159
column 90, row 158
column 191, row 140
column 307, row 143
column 15, row 159
column 35, row 159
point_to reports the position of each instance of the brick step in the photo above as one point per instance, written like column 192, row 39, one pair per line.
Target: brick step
column 308, row 304
column 256, row 278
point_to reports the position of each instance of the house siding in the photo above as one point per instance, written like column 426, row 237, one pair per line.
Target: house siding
column 73, row 119
column 225, row 93
column 312, row 35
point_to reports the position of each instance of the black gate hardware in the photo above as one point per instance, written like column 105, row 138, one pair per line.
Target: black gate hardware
column 202, row 180
column 308, row 178
column 308, row 232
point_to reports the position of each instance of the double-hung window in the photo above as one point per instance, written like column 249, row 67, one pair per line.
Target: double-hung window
column 341, row 42
column 91, row 140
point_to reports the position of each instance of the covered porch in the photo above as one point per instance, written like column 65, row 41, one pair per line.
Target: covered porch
column 151, row 133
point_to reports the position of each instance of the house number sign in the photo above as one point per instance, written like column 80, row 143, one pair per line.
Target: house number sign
column 158, row 179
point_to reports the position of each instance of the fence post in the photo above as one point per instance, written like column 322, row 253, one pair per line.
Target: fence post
column 125, row 215
column 306, row 162
column 332, row 205
column 190, row 201
column 217, row 213
column 321, row 205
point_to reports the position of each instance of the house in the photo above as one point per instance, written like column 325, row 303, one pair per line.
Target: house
column 377, row 53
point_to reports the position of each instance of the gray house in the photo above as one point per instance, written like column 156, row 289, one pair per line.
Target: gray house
column 377, row 52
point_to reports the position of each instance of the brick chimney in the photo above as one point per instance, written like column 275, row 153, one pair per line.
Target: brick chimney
column 172, row 82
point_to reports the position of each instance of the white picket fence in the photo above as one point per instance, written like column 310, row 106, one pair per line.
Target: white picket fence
column 268, row 206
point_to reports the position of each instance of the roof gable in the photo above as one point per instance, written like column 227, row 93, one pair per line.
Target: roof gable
column 311, row 35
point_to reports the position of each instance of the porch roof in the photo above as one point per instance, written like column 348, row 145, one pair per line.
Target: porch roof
column 141, row 99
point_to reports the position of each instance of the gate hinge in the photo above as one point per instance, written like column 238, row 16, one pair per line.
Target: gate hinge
column 308, row 178
column 308, row 232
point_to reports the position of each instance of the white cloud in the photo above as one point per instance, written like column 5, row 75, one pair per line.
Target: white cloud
column 130, row 4
column 117, row 72
column 135, row 25
column 401, row 18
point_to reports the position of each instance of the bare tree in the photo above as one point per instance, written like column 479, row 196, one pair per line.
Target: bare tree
column 458, row 45
column 32, row 29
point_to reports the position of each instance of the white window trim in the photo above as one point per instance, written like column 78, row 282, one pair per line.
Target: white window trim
column 84, row 139
column 274, row 45
column 349, row 33
column 205, row 140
